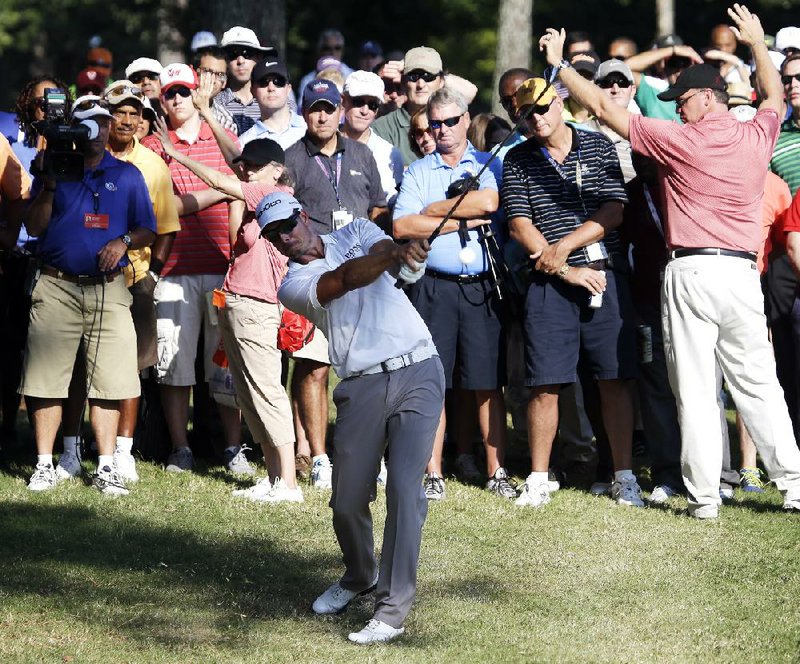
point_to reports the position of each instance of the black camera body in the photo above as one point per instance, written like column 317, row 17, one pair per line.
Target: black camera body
column 63, row 159
column 466, row 183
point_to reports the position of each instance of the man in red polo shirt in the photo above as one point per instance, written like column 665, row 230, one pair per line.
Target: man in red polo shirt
column 712, row 171
column 196, row 266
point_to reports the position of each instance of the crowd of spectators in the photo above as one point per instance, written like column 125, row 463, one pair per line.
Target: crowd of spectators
column 552, row 293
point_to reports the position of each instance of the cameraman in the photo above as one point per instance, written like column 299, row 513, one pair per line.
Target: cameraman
column 85, row 229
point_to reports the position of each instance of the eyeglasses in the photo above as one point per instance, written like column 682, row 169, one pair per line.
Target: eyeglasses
column 181, row 90
column 370, row 102
column 234, row 53
column 123, row 90
column 219, row 75
column 608, row 83
column 680, row 103
column 450, row 122
column 276, row 79
column 283, row 227
column 90, row 104
column 787, row 79
column 414, row 76
column 140, row 76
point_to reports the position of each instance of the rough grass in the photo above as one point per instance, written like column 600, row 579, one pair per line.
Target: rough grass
column 180, row 571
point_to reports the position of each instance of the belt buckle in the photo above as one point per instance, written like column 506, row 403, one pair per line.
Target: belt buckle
column 82, row 279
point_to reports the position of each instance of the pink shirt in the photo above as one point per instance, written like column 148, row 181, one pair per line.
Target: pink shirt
column 712, row 174
column 258, row 267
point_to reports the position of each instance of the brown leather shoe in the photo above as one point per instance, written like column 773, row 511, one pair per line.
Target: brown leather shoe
column 302, row 466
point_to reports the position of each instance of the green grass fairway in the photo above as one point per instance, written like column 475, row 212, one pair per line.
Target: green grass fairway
column 180, row 571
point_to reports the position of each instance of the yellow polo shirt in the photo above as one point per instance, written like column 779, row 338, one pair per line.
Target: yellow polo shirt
column 159, row 183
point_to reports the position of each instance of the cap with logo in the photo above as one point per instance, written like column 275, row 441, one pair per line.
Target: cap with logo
column 665, row 41
column 534, row 91
column 613, row 66
column 202, row 39
column 276, row 207
column 321, row 89
column 261, row 151
column 269, row 66
column 143, row 64
column 422, row 58
column 788, row 37
column 101, row 59
column 241, row 36
column 91, row 79
column 699, row 77
column 89, row 106
column 364, row 84
column 177, row 73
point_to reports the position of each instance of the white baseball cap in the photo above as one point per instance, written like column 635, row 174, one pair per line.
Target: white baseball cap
column 787, row 38
column 90, row 106
column 143, row 64
column 177, row 73
column 240, row 36
column 202, row 39
column 364, row 84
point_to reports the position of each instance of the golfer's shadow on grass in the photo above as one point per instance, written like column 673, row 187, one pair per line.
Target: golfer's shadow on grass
column 150, row 582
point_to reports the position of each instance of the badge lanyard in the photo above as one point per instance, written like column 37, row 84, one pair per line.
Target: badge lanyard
column 565, row 178
column 653, row 210
column 333, row 178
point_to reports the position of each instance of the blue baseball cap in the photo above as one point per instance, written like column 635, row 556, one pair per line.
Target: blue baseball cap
column 276, row 207
column 321, row 89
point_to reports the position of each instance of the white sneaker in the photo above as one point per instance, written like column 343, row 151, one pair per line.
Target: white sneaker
column 791, row 504
column 109, row 482
column 661, row 494
column 627, row 492
column 322, row 474
column 534, row 493
column 237, row 463
column 467, row 469
column 282, row 494
column 255, row 492
column 43, row 478
column 433, row 487
column 376, row 632
column 382, row 473
column 705, row 512
column 125, row 465
column 336, row 599
column 600, row 489
column 69, row 467
column 726, row 493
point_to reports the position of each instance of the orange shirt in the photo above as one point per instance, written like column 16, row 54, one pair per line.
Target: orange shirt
column 15, row 183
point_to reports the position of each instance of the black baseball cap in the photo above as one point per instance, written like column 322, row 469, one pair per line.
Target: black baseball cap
column 269, row 66
column 261, row 151
column 695, row 77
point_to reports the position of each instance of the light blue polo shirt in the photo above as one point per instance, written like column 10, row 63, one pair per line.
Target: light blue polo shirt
column 425, row 182
column 289, row 136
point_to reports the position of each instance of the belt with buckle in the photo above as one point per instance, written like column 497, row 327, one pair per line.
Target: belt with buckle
column 712, row 251
column 458, row 278
column 395, row 363
column 80, row 279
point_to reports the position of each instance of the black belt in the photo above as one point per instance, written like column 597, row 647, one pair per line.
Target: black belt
column 458, row 278
column 80, row 279
column 712, row 251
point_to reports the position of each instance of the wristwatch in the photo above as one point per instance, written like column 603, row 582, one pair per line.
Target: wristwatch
column 126, row 240
column 563, row 270
column 564, row 64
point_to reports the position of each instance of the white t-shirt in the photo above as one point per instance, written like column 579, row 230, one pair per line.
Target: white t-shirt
column 390, row 164
column 365, row 326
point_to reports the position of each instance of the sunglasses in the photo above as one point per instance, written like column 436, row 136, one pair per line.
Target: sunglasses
column 450, row 122
column 419, row 132
column 98, row 63
column 505, row 102
column 276, row 79
column 608, row 83
column 241, row 52
column 219, row 75
column 415, row 76
column 787, row 79
column 283, row 227
column 174, row 91
column 370, row 102
column 390, row 87
column 114, row 94
column 140, row 76
column 541, row 109
column 680, row 103
column 90, row 104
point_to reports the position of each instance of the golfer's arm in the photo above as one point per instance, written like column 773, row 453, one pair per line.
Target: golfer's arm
column 228, row 184
column 591, row 97
column 357, row 272
column 768, row 79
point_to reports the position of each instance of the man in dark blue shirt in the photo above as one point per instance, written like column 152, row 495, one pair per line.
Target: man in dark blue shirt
column 85, row 229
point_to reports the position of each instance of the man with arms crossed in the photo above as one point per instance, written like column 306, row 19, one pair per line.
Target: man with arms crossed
column 392, row 389
column 713, row 308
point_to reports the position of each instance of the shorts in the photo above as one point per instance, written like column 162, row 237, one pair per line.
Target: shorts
column 250, row 330
column 316, row 349
column 143, row 311
column 183, row 307
column 465, row 320
column 560, row 326
column 63, row 315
